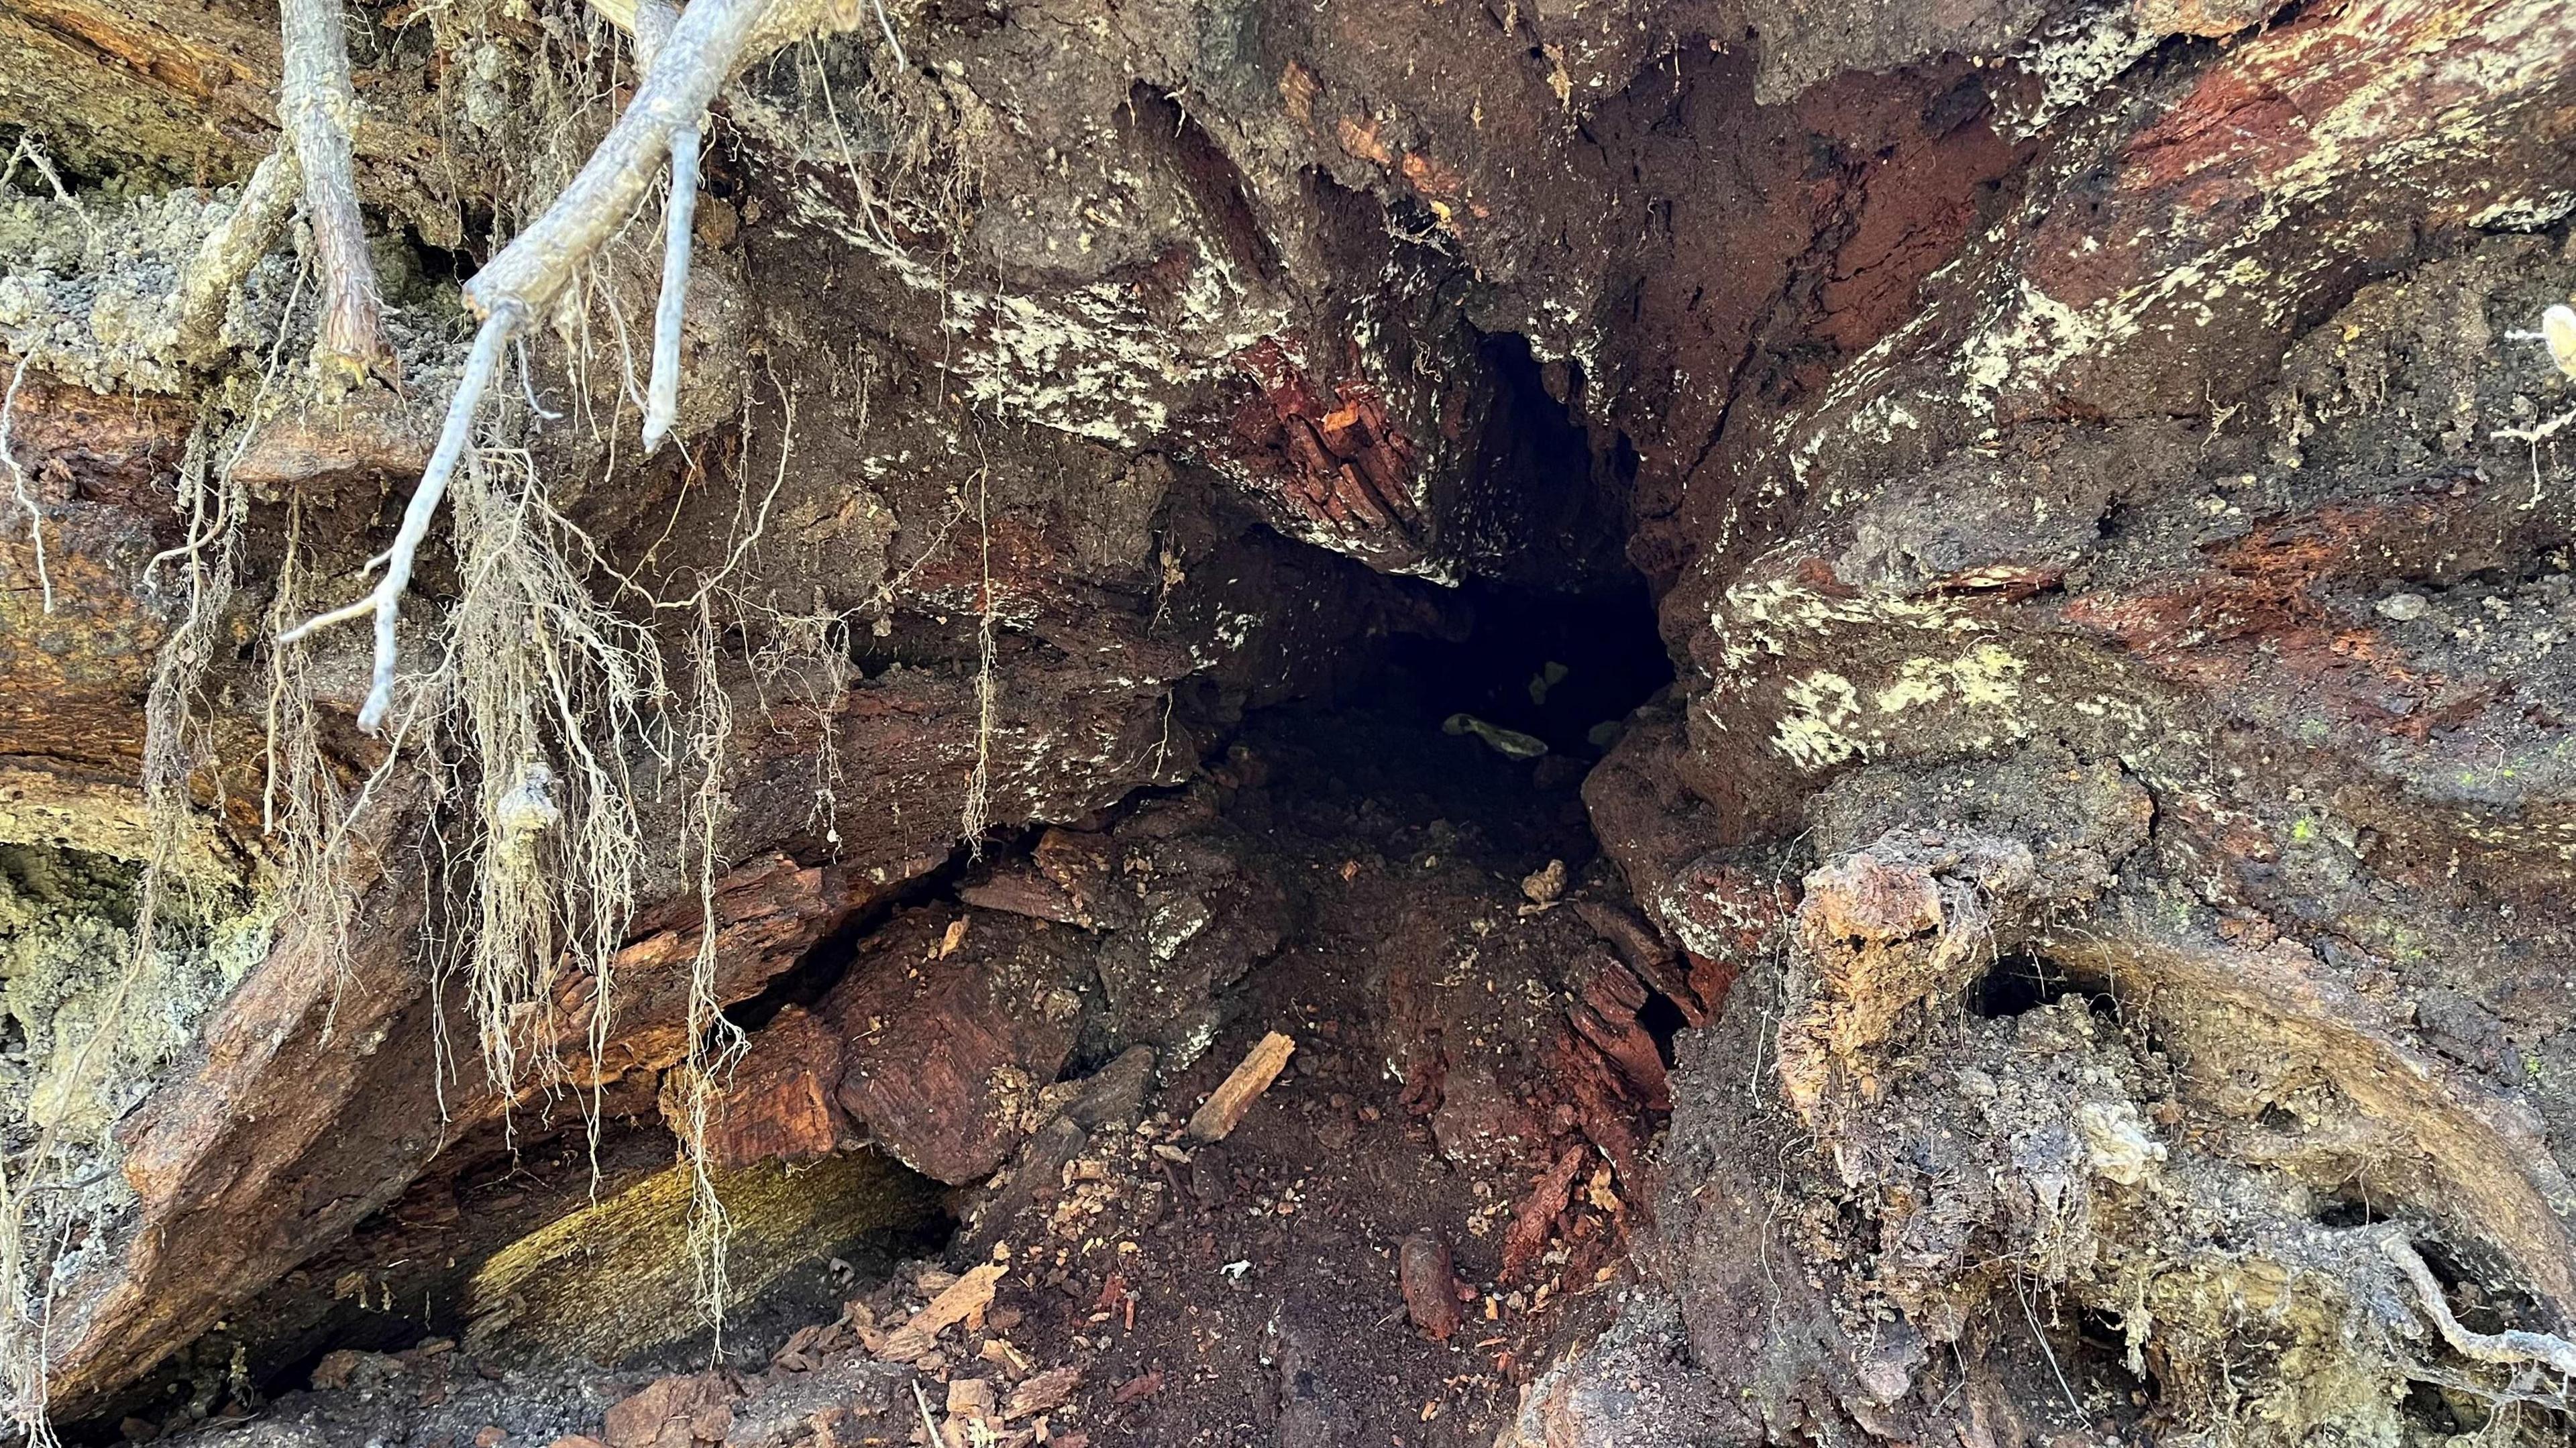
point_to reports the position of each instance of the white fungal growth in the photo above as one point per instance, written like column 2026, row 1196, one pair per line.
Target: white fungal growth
column 526, row 809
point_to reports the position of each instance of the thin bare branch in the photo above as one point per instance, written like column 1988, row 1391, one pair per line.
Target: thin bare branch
column 319, row 109
column 386, row 601
column 259, row 214
column 235, row 243
column 703, row 50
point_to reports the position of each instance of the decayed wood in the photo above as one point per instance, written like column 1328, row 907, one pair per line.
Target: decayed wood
column 184, row 88
column 966, row 1297
column 947, row 1053
column 777, row 1102
column 618, row 1277
column 1224, row 1109
column 257, row 1135
column 276, row 1105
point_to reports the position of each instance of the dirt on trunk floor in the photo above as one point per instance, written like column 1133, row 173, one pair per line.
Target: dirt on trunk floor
column 1432, row 1198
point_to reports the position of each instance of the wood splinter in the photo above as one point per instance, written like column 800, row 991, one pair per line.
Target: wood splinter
column 318, row 108
column 1224, row 1109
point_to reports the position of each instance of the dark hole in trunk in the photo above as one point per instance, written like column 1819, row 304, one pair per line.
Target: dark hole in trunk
column 1662, row 1020
column 2024, row 980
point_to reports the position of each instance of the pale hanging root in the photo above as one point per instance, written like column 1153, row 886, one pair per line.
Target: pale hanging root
column 386, row 601
column 654, row 21
column 22, row 1325
column 2509, row 1347
column 662, row 392
column 705, row 46
column 266, row 203
column 318, row 108
column 716, row 1044
column 24, row 496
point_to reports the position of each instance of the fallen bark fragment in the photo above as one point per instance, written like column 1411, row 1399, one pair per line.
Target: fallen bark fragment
column 1143, row 1385
column 668, row 1412
column 1043, row 1393
column 1225, row 1106
column 1428, row 1277
column 967, row 1297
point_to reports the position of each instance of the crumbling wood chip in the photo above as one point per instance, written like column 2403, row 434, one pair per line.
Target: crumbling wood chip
column 967, row 1297
column 335, row 1370
column 672, row 1412
column 1428, row 1277
column 970, row 1406
column 1535, row 1218
column 1043, row 1393
column 1143, row 1385
column 1023, row 891
column 1225, row 1107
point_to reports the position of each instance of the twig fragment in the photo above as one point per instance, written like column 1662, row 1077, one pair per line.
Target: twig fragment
column 319, row 107
column 1226, row 1105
